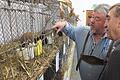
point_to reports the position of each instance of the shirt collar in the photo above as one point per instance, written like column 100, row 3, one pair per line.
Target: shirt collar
column 117, row 43
column 104, row 36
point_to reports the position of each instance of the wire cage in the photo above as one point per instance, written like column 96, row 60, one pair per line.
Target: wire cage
column 22, row 21
column 25, row 26
column 17, row 17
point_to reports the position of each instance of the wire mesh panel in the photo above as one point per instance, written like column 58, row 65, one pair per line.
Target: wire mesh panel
column 25, row 25
column 5, row 18
column 19, row 17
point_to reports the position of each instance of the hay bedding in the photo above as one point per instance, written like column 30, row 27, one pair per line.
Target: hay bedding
column 13, row 67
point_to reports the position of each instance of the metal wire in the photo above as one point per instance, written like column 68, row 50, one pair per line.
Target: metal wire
column 21, row 16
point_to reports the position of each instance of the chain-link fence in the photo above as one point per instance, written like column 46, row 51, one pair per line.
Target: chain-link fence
column 20, row 17
column 21, row 20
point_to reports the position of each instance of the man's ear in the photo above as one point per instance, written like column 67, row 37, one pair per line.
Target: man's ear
column 119, row 24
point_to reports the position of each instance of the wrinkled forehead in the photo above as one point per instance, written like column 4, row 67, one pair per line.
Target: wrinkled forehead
column 98, row 14
column 116, row 9
column 111, row 12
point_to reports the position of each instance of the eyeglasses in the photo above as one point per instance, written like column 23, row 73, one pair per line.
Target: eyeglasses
column 96, row 18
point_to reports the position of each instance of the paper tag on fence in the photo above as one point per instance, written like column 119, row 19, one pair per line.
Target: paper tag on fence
column 41, row 78
column 57, row 61
column 31, row 52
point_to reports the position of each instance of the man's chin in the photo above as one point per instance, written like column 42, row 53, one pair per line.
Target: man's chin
column 109, row 36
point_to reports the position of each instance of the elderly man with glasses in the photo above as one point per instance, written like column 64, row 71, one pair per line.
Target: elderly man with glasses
column 92, row 46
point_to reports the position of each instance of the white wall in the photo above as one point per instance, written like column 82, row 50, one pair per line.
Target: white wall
column 80, row 6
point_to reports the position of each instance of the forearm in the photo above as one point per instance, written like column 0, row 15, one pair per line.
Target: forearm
column 69, row 31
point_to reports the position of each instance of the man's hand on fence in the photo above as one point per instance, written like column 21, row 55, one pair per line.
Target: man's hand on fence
column 59, row 25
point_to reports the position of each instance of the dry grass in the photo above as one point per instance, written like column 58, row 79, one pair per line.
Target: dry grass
column 13, row 67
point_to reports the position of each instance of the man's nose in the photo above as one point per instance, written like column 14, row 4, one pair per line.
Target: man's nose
column 106, row 24
column 92, row 21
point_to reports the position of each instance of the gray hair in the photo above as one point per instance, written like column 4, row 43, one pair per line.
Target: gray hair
column 117, row 9
column 102, row 8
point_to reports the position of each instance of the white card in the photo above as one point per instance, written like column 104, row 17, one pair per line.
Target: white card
column 57, row 61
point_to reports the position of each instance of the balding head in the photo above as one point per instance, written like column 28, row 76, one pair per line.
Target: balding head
column 117, row 9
